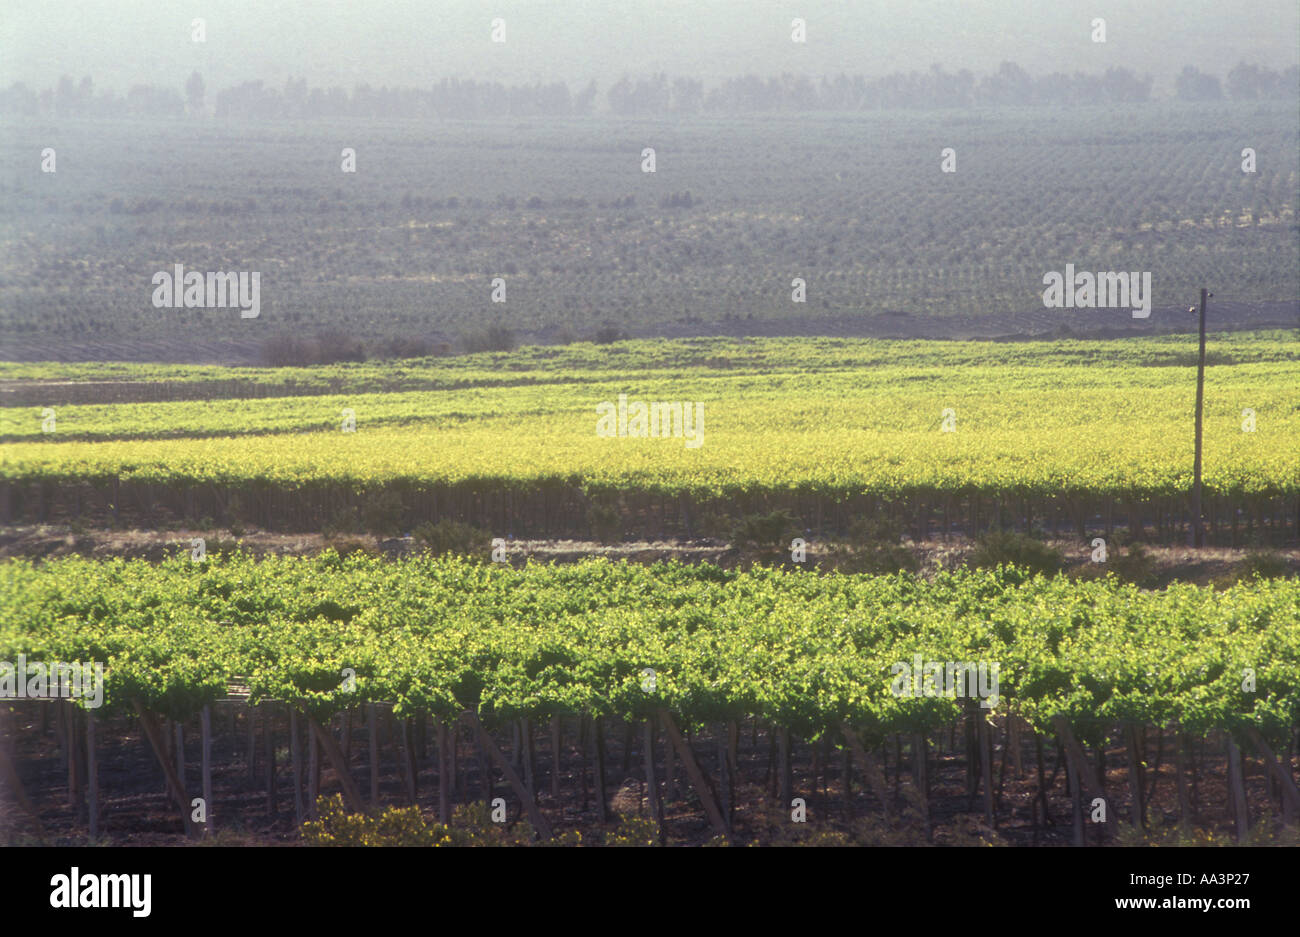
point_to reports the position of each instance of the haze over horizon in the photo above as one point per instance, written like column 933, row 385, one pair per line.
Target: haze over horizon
column 410, row 43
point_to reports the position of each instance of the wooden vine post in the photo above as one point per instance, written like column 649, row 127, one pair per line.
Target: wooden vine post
column 268, row 758
column 1084, row 781
column 295, row 756
column 332, row 751
column 92, row 777
column 1289, row 793
column 446, row 774
column 535, row 816
column 372, row 739
column 651, row 782
column 555, row 758
column 1137, row 801
column 871, row 771
column 1237, row 791
column 205, row 741
column 785, row 778
column 154, row 734
column 986, row 762
column 9, row 775
column 920, row 759
column 693, row 771
column 598, row 770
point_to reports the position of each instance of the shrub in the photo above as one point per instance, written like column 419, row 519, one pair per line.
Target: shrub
column 343, row 523
column 382, row 512
column 346, row 546
column 873, row 531
column 608, row 334
column 493, row 338
column 449, row 536
column 1163, row 832
column 873, row 547
column 335, row 345
column 714, row 524
column 1004, row 547
column 326, row 348
column 678, row 200
column 283, row 351
column 633, row 831
column 606, row 523
column 235, row 512
column 765, row 531
column 1264, row 564
column 1136, row 566
column 471, row 825
column 406, row 347
column 1260, row 564
column 217, row 546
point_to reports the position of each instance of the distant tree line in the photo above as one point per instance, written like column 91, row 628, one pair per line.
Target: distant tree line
column 1245, row 83
column 80, row 100
column 655, row 95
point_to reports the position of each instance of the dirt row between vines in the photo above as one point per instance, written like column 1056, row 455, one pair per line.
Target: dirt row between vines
column 1168, row 563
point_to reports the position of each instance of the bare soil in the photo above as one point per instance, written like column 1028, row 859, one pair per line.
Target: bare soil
column 1205, row 566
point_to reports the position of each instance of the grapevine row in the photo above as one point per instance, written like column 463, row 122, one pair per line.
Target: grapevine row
column 667, row 645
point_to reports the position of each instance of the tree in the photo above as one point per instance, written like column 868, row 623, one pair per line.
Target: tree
column 194, row 93
column 585, row 102
column 65, row 98
column 85, row 95
column 1194, row 85
column 1247, row 82
column 620, row 96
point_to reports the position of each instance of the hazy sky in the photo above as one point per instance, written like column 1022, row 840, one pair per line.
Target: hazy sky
column 413, row 42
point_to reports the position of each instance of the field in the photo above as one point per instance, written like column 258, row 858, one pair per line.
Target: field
column 810, row 661
column 660, row 702
column 855, row 205
column 637, row 555
column 1066, row 434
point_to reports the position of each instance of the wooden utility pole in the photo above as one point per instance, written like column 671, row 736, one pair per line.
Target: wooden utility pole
column 1198, row 530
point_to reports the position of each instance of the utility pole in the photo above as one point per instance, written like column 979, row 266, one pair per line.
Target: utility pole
column 1198, row 530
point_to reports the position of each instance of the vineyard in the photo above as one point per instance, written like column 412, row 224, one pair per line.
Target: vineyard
column 1068, row 436
column 1190, row 682
column 797, row 333
column 856, row 206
